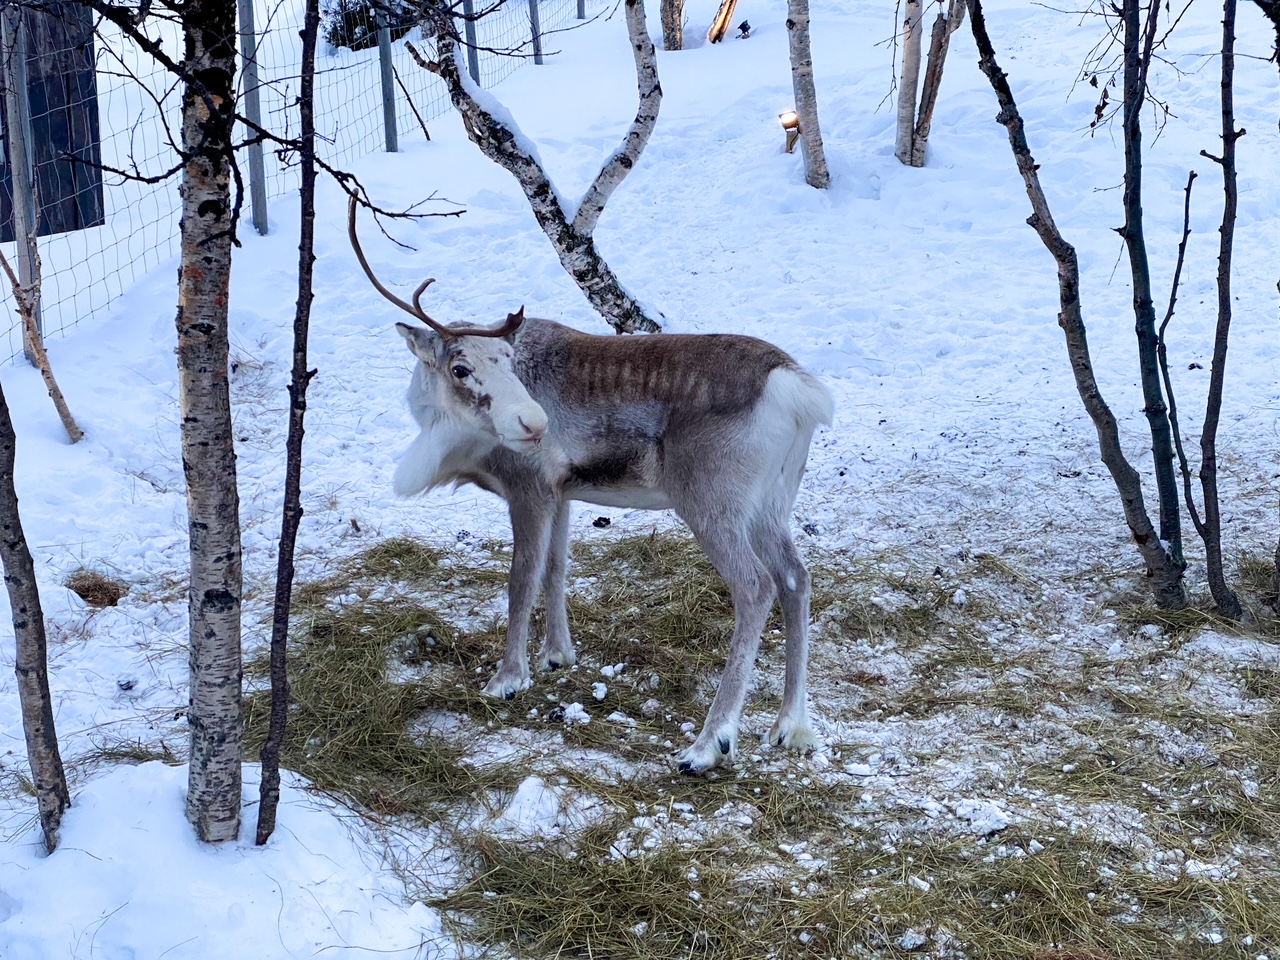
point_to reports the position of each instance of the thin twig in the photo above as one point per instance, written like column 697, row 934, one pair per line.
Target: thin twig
column 408, row 99
column 1162, row 355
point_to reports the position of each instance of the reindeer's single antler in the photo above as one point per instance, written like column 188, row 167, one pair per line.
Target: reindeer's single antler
column 511, row 325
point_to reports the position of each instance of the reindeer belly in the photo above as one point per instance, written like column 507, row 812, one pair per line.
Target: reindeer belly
column 626, row 477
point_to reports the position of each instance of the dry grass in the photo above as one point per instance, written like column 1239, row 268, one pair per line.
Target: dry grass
column 350, row 729
column 777, row 858
column 95, row 588
column 1024, row 898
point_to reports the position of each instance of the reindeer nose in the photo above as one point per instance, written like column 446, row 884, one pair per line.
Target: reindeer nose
column 534, row 432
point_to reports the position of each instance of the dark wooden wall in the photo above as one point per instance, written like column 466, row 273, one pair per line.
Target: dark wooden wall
column 63, row 92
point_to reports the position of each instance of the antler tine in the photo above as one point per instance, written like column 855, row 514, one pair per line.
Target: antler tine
column 507, row 327
column 414, row 309
column 417, row 294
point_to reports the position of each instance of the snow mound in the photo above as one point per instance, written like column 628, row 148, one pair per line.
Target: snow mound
column 129, row 879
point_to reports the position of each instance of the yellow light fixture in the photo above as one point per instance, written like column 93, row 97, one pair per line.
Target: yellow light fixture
column 791, row 124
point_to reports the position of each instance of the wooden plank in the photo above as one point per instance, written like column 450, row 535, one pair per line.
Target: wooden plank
column 720, row 25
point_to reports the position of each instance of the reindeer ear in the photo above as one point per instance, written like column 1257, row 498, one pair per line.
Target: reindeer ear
column 423, row 343
column 516, row 319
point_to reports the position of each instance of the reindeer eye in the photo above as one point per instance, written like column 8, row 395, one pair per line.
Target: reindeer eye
column 461, row 372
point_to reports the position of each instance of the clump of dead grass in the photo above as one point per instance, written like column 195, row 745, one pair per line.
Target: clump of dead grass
column 352, row 716
column 1028, row 897
column 96, row 588
column 541, row 900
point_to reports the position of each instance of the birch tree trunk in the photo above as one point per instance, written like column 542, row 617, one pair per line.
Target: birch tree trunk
column 208, row 455
column 503, row 143
column 1167, row 574
column 909, row 82
column 939, row 44
column 269, row 793
column 815, row 159
column 31, row 662
column 672, row 24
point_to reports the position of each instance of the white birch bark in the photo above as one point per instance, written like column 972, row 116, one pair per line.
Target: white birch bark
column 815, row 159
column 503, row 143
column 939, row 44
column 909, row 81
column 31, row 658
column 208, row 453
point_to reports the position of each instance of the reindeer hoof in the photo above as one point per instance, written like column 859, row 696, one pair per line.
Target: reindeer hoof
column 501, row 687
column 794, row 733
column 708, row 751
column 557, row 657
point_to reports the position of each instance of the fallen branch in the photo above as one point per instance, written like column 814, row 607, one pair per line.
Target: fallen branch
column 26, row 300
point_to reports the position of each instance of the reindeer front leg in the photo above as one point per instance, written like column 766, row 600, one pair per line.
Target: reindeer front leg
column 557, row 646
column 531, row 521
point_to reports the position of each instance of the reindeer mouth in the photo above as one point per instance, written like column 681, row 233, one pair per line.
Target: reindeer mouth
column 522, row 444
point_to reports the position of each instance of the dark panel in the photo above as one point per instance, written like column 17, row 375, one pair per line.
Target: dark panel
column 65, row 141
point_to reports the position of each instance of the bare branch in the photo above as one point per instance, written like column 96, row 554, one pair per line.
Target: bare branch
column 504, row 144
column 1163, row 353
column 1168, row 575
column 26, row 299
column 620, row 164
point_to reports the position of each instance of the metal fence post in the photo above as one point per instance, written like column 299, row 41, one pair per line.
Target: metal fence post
column 582, row 9
column 469, row 31
column 537, row 32
column 388, row 84
column 13, row 50
column 253, row 110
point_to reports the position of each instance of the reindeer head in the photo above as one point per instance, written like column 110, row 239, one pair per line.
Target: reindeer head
column 470, row 379
column 464, row 389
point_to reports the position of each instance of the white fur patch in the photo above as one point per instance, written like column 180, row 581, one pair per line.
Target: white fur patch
column 417, row 466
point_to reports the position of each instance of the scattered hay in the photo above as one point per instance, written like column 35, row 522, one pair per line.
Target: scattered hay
column 400, row 558
column 1261, row 682
column 673, row 902
column 1179, row 624
column 1028, row 897
column 863, row 895
column 1257, row 576
column 350, row 728
column 399, row 634
column 112, row 750
column 94, row 588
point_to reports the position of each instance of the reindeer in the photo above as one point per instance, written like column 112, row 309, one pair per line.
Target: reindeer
column 715, row 427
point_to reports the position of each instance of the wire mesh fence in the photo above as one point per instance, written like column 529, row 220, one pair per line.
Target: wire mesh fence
column 103, row 125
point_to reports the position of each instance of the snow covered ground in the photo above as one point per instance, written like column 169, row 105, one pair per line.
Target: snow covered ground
column 919, row 296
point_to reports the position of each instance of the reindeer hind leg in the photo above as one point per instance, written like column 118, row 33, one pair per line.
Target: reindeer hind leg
column 729, row 549
column 775, row 548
